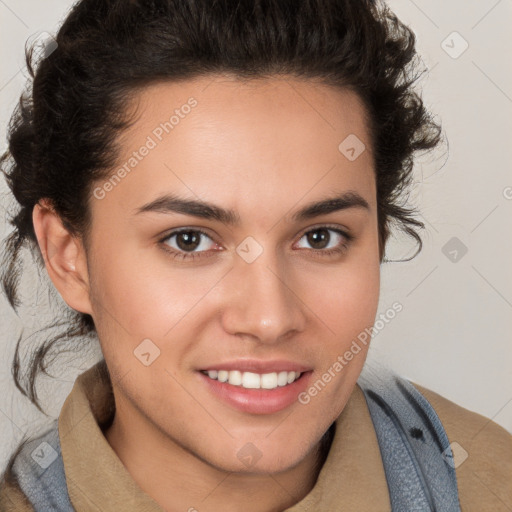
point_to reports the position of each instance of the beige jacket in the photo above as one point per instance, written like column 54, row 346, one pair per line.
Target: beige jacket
column 352, row 478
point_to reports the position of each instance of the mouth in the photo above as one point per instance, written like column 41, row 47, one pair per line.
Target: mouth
column 251, row 380
column 258, row 391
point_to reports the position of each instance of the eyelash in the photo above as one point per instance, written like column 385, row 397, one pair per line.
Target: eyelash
column 342, row 248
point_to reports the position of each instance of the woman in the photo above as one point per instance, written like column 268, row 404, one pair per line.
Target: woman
column 211, row 187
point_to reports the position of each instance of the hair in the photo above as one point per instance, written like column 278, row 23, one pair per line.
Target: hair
column 64, row 133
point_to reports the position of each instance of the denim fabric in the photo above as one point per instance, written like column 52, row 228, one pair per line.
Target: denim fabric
column 40, row 472
column 415, row 450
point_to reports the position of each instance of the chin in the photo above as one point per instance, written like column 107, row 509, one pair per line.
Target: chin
column 259, row 457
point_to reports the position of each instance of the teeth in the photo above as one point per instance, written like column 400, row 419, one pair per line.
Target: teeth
column 235, row 378
column 282, row 378
column 269, row 381
column 251, row 380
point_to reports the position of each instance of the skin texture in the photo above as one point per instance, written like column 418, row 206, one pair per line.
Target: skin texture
column 263, row 148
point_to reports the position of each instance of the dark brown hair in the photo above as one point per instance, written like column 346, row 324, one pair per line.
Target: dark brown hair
column 63, row 135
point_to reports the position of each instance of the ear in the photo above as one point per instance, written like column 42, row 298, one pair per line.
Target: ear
column 64, row 256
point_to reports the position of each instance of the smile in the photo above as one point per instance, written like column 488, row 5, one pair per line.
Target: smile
column 250, row 380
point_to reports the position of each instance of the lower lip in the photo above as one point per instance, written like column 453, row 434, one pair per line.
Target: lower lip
column 258, row 401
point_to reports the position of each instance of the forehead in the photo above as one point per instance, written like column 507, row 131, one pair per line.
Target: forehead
column 223, row 99
column 218, row 137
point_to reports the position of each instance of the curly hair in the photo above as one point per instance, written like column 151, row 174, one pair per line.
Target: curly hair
column 63, row 135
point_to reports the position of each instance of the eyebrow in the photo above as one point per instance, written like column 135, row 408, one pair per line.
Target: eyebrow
column 170, row 203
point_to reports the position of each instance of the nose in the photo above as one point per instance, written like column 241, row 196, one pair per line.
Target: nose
column 262, row 302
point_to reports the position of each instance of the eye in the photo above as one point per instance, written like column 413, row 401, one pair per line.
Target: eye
column 327, row 240
column 185, row 243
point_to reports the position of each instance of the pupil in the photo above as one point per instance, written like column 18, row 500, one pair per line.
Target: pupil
column 190, row 238
column 320, row 236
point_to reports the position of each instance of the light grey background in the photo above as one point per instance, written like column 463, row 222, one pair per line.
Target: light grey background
column 455, row 331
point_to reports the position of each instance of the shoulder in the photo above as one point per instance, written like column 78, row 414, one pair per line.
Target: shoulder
column 12, row 498
column 482, row 455
column 34, row 476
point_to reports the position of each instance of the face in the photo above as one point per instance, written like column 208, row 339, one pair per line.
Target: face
column 208, row 260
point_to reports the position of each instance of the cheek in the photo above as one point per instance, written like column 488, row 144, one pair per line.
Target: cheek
column 145, row 291
column 346, row 309
column 344, row 298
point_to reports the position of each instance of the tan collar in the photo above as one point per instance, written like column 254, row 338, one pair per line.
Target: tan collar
column 352, row 478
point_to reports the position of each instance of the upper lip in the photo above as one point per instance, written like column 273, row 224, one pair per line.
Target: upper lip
column 258, row 366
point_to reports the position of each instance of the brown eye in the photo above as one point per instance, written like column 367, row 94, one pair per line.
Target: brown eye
column 319, row 238
column 188, row 241
column 325, row 241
